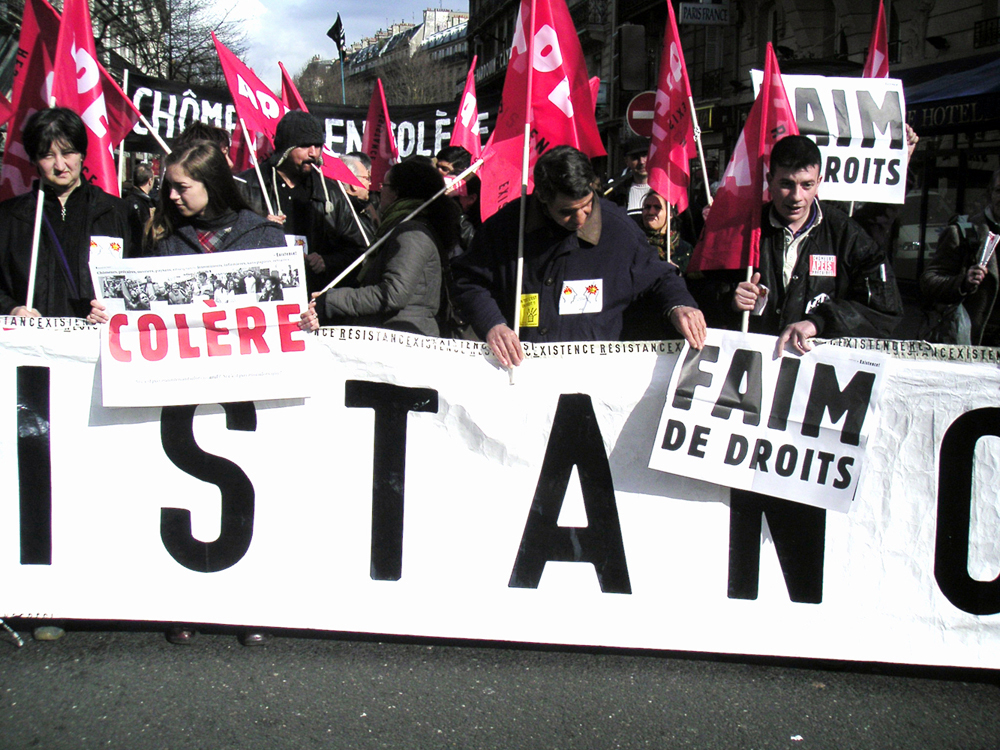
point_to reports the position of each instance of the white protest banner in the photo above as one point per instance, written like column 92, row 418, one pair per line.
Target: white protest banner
column 858, row 125
column 216, row 326
column 416, row 492
column 790, row 427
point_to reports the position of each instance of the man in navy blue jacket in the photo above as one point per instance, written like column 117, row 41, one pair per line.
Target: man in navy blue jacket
column 585, row 262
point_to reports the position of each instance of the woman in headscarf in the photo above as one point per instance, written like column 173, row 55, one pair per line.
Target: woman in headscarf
column 654, row 223
column 400, row 284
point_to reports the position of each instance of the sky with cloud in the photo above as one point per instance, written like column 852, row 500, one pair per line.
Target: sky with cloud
column 292, row 31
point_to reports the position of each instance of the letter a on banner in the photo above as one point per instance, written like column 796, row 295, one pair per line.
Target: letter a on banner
column 561, row 110
column 731, row 239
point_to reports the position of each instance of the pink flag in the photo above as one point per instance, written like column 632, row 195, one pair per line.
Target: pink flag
column 595, row 88
column 378, row 141
column 289, row 93
column 561, row 110
column 6, row 110
column 466, row 130
column 731, row 238
column 77, row 85
column 672, row 144
column 37, row 47
column 39, row 30
column 259, row 109
column 877, row 61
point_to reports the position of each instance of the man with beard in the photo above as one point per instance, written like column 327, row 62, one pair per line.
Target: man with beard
column 309, row 206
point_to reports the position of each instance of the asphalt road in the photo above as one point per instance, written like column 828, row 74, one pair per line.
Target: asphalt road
column 110, row 687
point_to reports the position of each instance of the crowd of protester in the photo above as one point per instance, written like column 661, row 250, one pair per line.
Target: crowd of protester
column 598, row 261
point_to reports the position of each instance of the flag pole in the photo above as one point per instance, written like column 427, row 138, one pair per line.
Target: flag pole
column 36, row 237
column 530, row 25
column 701, row 149
column 256, row 165
column 357, row 219
column 378, row 243
column 152, row 131
column 667, row 203
column 121, row 146
column 35, row 242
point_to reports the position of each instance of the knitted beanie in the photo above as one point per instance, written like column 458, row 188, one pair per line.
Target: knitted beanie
column 296, row 129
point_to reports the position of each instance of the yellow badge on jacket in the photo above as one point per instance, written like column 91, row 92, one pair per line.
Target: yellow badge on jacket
column 529, row 311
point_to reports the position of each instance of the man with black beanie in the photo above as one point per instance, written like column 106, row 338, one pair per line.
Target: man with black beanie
column 311, row 208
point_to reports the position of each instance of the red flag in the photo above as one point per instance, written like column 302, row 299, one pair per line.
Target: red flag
column 877, row 61
column 6, row 110
column 77, row 85
column 466, row 130
column 595, row 88
column 731, row 238
column 561, row 110
column 378, row 141
column 289, row 93
column 39, row 29
column 672, row 144
column 122, row 114
column 37, row 45
column 259, row 109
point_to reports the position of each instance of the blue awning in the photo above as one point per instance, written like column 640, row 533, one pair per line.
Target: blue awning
column 984, row 79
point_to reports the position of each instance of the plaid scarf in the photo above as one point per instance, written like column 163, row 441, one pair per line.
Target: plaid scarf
column 212, row 233
column 211, row 239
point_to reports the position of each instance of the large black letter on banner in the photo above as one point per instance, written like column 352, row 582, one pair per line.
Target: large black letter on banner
column 954, row 510
column 825, row 393
column 236, row 523
column 34, row 465
column 391, row 403
column 575, row 440
column 799, row 533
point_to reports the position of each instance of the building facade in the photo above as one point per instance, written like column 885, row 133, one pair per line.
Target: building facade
column 957, row 118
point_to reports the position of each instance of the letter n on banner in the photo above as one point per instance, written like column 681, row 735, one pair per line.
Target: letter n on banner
column 799, row 533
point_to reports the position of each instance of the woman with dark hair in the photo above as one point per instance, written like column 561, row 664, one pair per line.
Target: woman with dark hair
column 77, row 219
column 400, row 284
column 201, row 210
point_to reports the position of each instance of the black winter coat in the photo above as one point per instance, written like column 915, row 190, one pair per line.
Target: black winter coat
column 94, row 213
column 860, row 298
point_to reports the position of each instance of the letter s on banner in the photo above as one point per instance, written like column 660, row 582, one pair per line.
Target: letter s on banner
column 236, row 526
